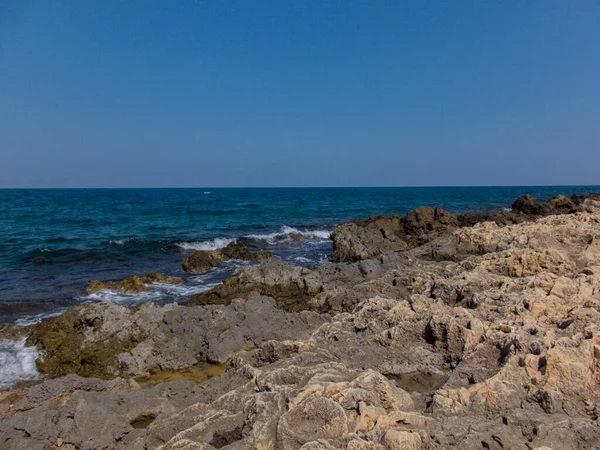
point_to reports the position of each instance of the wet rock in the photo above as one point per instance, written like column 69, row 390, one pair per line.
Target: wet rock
column 85, row 340
column 106, row 340
column 527, row 205
column 237, row 250
column 132, row 284
column 282, row 281
column 297, row 237
column 200, row 261
column 203, row 260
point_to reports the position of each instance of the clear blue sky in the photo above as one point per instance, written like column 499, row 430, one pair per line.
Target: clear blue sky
column 299, row 93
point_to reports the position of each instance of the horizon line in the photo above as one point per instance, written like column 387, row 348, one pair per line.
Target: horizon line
column 303, row 187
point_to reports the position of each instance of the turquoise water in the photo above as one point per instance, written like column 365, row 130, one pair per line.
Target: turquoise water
column 52, row 242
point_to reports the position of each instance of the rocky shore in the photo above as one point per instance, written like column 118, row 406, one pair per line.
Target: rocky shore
column 428, row 331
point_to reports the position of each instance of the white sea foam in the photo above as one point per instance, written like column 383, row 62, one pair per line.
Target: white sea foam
column 17, row 363
column 323, row 260
column 183, row 290
column 31, row 320
column 310, row 234
column 301, row 259
column 156, row 292
column 206, row 245
column 284, row 234
column 121, row 241
column 107, row 295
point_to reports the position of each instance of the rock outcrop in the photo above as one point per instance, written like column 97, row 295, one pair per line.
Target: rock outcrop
column 472, row 337
column 107, row 340
column 366, row 239
column 203, row 260
column 132, row 284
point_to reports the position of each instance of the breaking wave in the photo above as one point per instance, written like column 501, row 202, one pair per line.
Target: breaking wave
column 207, row 245
column 17, row 363
column 285, row 232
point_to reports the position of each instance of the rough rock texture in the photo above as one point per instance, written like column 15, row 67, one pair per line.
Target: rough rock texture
column 359, row 240
column 132, row 284
column 527, row 205
column 495, row 345
column 107, row 340
column 202, row 260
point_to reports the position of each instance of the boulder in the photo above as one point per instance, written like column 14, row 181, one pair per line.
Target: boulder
column 559, row 205
column 425, row 219
column 237, row 250
column 203, row 260
column 132, row 284
column 359, row 240
column 199, row 262
column 527, row 205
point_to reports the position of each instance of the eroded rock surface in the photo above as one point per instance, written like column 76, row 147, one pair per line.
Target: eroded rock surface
column 479, row 337
column 203, row 260
column 132, row 284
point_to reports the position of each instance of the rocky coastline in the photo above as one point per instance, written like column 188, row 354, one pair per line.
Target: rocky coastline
column 428, row 331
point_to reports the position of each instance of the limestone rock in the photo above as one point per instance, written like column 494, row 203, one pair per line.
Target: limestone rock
column 315, row 418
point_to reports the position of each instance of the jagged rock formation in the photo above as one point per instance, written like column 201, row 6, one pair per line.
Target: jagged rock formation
column 132, row 284
column 202, row 260
column 367, row 239
column 470, row 337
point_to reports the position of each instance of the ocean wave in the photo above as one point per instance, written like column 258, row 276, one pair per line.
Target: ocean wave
column 121, row 298
column 121, row 241
column 37, row 318
column 302, row 259
column 184, row 290
column 207, row 245
column 286, row 231
column 158, row 292
column 17, row 363
column 323, row 260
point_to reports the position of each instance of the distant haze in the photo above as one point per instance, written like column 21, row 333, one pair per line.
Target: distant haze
column 299, row 93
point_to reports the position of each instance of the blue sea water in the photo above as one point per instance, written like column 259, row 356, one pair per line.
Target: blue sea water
column 52, row 242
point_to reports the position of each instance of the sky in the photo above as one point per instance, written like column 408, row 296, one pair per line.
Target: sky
column 299, row 93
